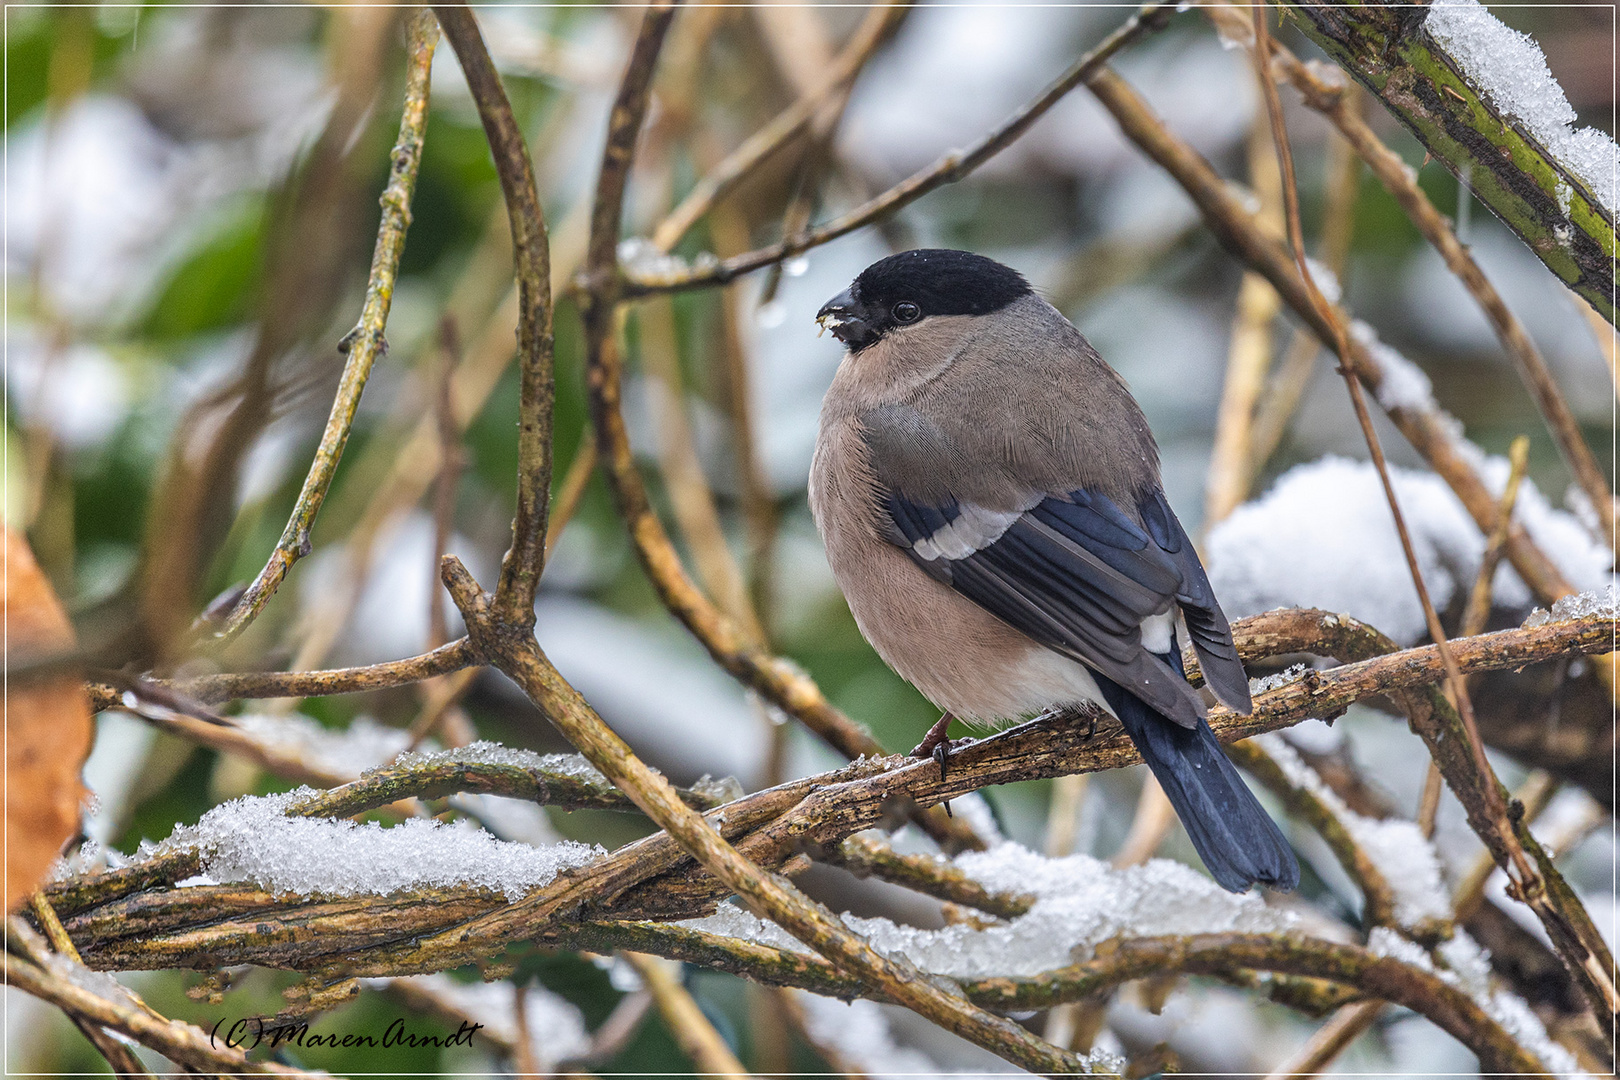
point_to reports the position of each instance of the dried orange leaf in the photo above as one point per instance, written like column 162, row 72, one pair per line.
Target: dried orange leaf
column 48, row 728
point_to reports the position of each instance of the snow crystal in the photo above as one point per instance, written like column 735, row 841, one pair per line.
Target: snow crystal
column 253, row 840
column 1080, row 902
column 1576, row 606
column 732, row 920
column 350, row 751
column 556, row 1027
column 642, row 258
column 859, row 1032
column 1272, row 682
column 484, row 752
column 1384, row 941
column 1323, row 537
column 1396, row 847
column 1512, row 71
column 1467, row 967
column 1402, row 385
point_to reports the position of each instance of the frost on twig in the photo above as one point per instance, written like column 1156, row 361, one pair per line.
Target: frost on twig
column 1079, row 903
column 1403, row 857
column 1586, row 605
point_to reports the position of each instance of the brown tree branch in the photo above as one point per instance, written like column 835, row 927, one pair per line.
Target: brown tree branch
column 652, row 878
column 948, row 169
column 213, row 689
column 181, row 1043
column 531, row 258
column 1230, row 957
column 365, row 343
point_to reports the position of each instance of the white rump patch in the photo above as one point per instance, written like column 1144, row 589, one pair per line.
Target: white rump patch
column 1156, row 631
column 974, row 529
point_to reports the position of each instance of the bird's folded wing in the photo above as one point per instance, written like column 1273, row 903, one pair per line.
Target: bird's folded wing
column 1076, row 573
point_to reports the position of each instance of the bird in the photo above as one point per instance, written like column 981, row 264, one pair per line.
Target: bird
column 988, row 494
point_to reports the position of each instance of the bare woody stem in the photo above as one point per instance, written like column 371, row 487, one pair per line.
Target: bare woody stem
column 179, row 1042
column 784, row 127
column 531, row 257
column 948, row 169
column 366, row 342
column 649, row 879
column 1328, row 97
column 285, row 684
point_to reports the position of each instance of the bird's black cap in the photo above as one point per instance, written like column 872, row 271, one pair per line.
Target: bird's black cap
column 912, row 285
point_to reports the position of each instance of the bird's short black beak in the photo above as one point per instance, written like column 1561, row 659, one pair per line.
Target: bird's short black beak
column 839, row 316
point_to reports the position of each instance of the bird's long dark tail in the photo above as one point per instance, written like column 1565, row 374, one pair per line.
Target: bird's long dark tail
column 1232, row 832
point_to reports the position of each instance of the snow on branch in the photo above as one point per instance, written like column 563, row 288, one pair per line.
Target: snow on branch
column 1480, row 99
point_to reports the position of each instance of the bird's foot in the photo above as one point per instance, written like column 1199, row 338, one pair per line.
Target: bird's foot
column 936, row 746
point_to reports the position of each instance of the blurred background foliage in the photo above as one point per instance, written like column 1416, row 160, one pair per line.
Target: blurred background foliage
column 191, row 197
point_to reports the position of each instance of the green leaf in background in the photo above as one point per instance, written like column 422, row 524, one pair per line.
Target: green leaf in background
column 213, row 288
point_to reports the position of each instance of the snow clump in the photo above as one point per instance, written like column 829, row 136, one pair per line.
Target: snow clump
column 1512, row 71
column 1080, row 902
column 1322, row 537
column 253, row 840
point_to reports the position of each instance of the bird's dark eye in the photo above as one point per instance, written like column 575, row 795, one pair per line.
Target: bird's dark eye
column 905, row 311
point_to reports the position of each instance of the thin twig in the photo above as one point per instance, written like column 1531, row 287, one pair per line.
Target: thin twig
column 1154, row 818
column 1248, row 356
column 531, row 257
column 213, row 689
column 1479, row 605
column 787, row 124
column 948, row 169
column 365, row 343
column 179, row 1042
column 1293, row 375
column 690, row 497
column 451, row 463
column 54, row 933
column 692, row 1030
column 572, row 490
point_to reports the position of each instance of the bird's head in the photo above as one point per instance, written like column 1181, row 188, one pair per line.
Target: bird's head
column 905, row 289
